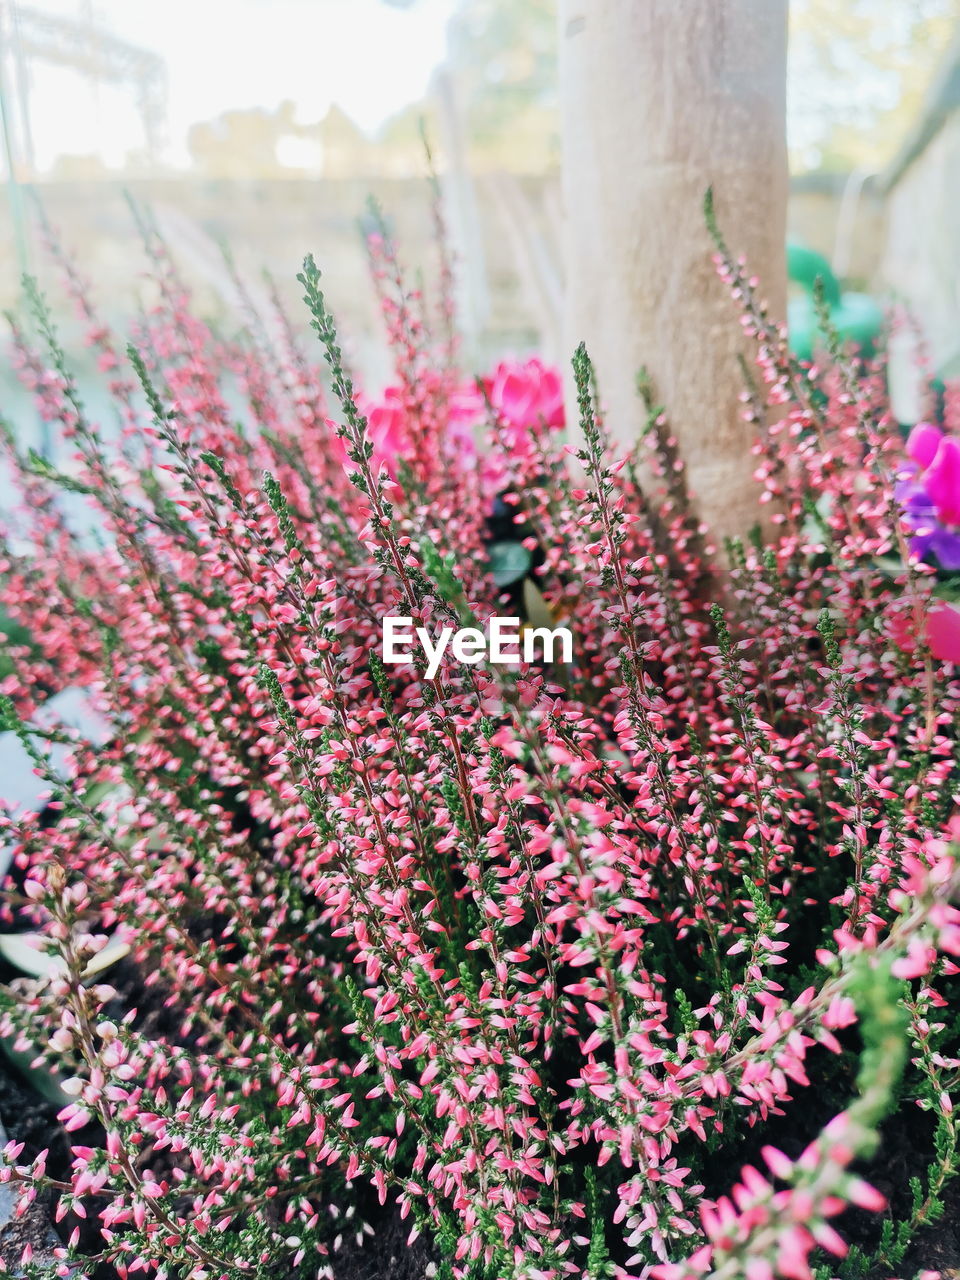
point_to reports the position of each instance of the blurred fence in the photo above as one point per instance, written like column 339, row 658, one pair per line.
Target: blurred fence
column 507, row 234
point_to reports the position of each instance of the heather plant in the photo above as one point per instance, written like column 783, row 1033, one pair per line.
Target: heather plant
column 616, row 967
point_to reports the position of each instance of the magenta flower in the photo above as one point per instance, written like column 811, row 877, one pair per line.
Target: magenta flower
column 387, row 422
column 466, row 410
column 923, row 442
column 942, row 480
column 526, row 394
column 941, row 625
column 943, row 631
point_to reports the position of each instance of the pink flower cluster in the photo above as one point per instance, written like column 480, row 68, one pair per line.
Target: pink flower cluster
column 518, row 397
column 525, row 953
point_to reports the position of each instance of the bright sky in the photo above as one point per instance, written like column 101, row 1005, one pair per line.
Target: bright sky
column 366, row 55
column 372, row 57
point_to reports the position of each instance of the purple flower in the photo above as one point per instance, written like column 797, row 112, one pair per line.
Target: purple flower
column 930, row 539
column 929, row 493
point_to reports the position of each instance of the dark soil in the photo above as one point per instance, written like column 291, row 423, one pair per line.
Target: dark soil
column 32, row 1229
column 385, row 1255
column 27, row 1118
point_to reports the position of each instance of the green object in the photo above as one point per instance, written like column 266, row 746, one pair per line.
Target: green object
column 856, row 316
column 806, row 266
column 509, row 562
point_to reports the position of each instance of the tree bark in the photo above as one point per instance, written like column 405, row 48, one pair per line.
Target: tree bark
column 661, row 99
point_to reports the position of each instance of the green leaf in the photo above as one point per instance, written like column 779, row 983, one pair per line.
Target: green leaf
column 535, row 606
column 42, row 1077
column 509, row 562
column 29, row 952
column 105, row 959
column 893, row 566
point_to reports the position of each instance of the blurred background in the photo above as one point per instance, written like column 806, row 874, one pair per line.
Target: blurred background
column 265, row 124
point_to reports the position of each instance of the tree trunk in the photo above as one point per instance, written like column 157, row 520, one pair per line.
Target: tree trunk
column 661, row 99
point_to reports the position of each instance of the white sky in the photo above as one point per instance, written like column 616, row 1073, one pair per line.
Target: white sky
column 367, row 56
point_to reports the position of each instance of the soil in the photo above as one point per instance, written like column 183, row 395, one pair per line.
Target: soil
column 28, row 1119
column 32, row 1229
column 385, row 1255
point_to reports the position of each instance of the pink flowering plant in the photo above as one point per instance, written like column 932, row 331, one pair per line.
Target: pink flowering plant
column 618, row 967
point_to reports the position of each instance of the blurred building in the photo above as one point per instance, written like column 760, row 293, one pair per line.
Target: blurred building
column 273, row 184
column 921, row 196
